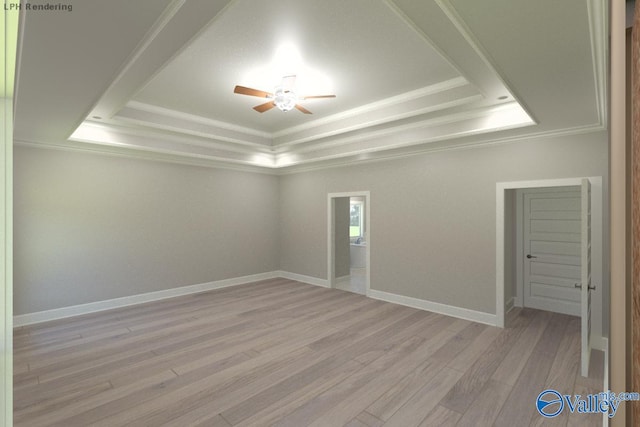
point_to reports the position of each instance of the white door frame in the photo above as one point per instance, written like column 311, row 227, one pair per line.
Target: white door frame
column 597, row 212
column 331, row 237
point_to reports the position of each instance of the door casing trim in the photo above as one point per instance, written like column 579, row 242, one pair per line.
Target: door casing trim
column 501, row 188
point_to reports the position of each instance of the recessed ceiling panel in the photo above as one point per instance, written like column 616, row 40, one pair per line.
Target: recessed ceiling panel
column 67, row 56
column 360, row 50
column 545, row 48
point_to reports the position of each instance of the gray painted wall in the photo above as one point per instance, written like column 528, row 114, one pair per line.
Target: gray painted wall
column 342, row 245
column 91, row 227
column 432, row 224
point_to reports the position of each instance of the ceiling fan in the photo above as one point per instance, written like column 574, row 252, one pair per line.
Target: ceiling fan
column 284, row 97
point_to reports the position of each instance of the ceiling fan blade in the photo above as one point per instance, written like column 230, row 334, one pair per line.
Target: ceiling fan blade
column 304, row 110
column 318, row 96
column 252, row 92
column 264, row 107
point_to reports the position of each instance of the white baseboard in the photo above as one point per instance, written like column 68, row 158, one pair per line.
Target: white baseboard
column 76, row 310
column 304, row 279
column 449, row 310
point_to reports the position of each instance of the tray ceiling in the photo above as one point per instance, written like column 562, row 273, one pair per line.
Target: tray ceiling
column 156, row 78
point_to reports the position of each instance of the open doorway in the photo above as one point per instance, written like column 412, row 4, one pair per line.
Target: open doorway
column 549, row 253
column 349, row 242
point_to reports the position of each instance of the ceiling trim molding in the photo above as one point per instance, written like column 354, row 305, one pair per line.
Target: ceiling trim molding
column 392, row 4
column 167, row 156
column 192, row 118
column 457, row 97
column 128, row 134
column 441, row 133
column 370, row 135
column 162, row 120
column 474, row 120
column 597, row 11
column 452, row 93
column 377, row 105
column 456, row 19
column 178, row 26
column 99, row 133
column 430, row 147
column 151, row 35
column 149, row 154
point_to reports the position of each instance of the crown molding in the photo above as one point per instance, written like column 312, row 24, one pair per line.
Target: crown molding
column 443, row 128
column 126, row 134
column 137, row 105
column 164, row 119
column 164, row 156
column 598, row 30
column 463, row 143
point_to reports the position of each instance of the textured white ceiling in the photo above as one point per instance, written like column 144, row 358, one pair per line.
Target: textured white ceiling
column 155, row 77
column 360, row 50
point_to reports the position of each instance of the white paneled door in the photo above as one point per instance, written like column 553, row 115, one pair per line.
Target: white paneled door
column 557, row 250
column 552, row 249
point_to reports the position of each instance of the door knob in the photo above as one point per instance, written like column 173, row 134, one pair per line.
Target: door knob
column 531, row 256
column 579, row 285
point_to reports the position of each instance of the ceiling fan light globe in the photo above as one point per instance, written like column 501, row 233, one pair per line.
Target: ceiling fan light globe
column 285, row 100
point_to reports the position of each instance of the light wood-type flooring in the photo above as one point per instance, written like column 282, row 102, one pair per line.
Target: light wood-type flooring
column 283, row 353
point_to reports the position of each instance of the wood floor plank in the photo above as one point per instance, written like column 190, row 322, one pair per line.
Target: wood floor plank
column 280, row 390
column 369, row 420
column 520, row 405
column 187, row 392
column 356, row 423
column 398, row 394
column 341, row 396
column 441, row 417
column 74, row 413
column 459, row 342
column 510, row 368
column 425, row 400
column 590, row 385
column 354, row 403
column 279, row 352
column 460, row 397
column 469, row 354
column 486, row 406
column 459, row 324
column 563, row 372
column 297, row 398
column 61, row 400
